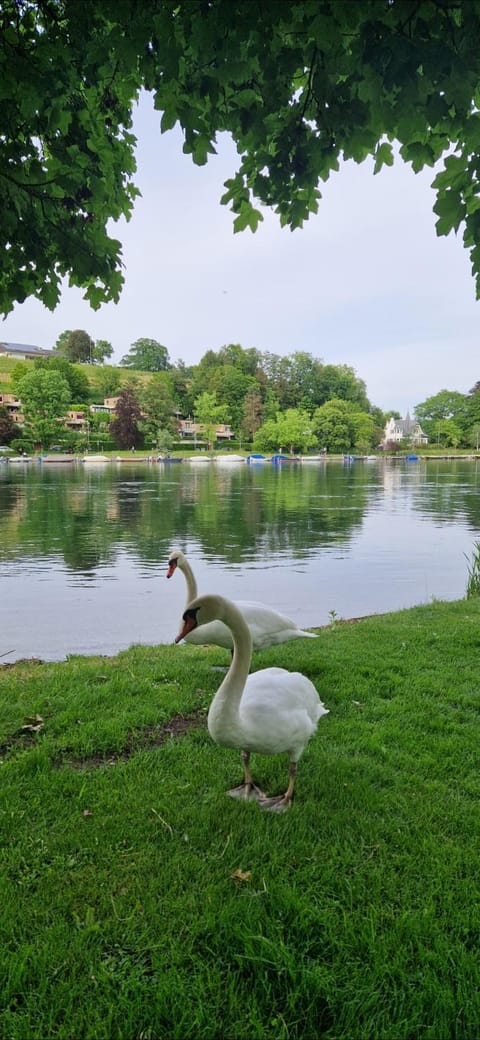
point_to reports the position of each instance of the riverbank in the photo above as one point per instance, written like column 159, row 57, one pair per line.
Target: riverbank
column 225, row 457
column 139, row 900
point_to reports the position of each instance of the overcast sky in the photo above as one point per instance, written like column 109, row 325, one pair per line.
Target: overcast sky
column 366, row 282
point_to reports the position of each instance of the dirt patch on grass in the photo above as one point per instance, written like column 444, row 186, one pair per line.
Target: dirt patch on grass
column 149, row 737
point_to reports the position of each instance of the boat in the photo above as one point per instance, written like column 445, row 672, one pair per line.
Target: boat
column 56, row 458
column 95, row 458
column 168, row 458
column 277, row 459
column 411, row 457
column 222, row 459
column 255, row 457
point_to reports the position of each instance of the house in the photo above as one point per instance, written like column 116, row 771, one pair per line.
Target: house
column 407, row 429
column 74, row 420
column 108, row 406
column 24, row 351
column 188, row 428
column 13, row 406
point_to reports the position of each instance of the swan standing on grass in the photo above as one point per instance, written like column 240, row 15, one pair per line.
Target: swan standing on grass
column 271, row 711
column 267, row 626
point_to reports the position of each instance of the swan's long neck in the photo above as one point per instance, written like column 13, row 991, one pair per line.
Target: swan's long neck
column 192, row 591
column 223, row 716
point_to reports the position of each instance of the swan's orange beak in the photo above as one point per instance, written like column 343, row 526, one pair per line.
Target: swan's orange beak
column 172, row 566
column 189, row 623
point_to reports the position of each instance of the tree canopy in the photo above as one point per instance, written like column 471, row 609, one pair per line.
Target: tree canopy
column 147, row 355
column 299, row 85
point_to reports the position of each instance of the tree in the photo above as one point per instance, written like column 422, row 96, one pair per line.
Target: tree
column 230, row 387
column 147, row 355
column 267, row 436
column 8, row 427
column 77, row 346
column 292, row 429
column 101, row 350
column 209, row 414
column 75, row 377
column 62, row 341
column 296, row 430
column 447, row 432
column 447, row 404
column 246, row 361
column 299, row 86
column 252, row 413
column 334, row 426
column 365, row 432
column 295, row 379
column 45, row 396
column 157, row 404
column 340, row 382
column 125, row 427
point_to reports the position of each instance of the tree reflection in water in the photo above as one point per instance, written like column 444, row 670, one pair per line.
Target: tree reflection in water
column 314, row 537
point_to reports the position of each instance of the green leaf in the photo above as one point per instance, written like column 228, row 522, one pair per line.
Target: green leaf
column 451, row 210
column 168, row 120
column 383, row 156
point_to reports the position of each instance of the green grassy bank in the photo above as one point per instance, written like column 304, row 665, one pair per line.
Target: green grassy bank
column 139, row 901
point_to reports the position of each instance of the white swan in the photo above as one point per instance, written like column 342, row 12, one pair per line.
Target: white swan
column 267, row 626
column 271, row 711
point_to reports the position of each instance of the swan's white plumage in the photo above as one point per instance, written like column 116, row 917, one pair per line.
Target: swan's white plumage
column 271, row 711
column 267, row 626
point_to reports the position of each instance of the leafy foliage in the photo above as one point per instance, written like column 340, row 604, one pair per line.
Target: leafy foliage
column 473, row 580
column 125, row 428
column 209, row 413
column 102, row 349
column 147, row 355
column 7, row 426
column 77, row 346
column 158, row 406
column 336, row 426
column 45, row 397
column 299, row 86
column 75, row 377
column 291, row 430
column 448, row 417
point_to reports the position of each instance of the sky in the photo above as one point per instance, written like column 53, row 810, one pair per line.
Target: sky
column 366, row 282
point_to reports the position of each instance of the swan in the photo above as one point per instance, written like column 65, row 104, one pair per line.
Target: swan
column 271, row 711
column 267, row 626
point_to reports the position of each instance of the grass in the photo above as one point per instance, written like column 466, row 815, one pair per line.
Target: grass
column 139, row 902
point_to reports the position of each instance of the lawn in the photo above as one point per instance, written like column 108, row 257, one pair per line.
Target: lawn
column 140, row 902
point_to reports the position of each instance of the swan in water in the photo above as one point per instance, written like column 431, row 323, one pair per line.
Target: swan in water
column 271, row 711
column 267, row 626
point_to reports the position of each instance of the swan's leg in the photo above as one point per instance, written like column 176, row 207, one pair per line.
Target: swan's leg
column 281, row 802
column 248, row 790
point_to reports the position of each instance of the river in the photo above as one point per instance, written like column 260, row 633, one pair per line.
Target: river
column 84, row 548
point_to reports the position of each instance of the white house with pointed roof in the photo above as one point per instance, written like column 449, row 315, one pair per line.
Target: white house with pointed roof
column 404, row 430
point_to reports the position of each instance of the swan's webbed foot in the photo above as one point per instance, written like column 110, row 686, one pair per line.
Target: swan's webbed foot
column 248, row 792
column 280, row 803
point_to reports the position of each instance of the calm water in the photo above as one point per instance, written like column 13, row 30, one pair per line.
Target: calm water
column 83, row 549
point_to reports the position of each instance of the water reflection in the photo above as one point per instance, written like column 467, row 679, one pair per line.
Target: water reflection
column 86, row 517
column 363, row 535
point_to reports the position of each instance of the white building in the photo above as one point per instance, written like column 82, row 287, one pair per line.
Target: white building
column 404, row 430
column 25, row 351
